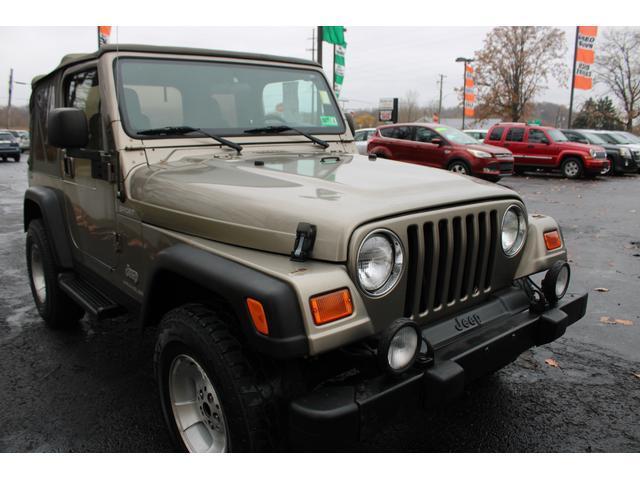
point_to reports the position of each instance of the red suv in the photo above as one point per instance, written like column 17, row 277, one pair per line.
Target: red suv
column 548, row 148
column 440, row 146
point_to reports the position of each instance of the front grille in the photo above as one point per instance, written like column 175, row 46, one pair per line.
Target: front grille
column 506, row 167
column 451, row 262
column 636, row 154
column 503, row 155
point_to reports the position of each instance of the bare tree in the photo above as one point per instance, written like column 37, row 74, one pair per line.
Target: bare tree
column 514, row 65
column 618, row 67
column 409, row 109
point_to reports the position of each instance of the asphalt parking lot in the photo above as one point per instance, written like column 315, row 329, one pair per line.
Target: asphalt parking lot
column 92, row 389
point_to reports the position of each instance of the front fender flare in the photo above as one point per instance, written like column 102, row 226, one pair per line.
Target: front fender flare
column 232, row 282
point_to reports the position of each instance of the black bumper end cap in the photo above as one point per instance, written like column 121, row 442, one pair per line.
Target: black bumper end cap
column 554, row 322
column 330, row 411
column 443, row 382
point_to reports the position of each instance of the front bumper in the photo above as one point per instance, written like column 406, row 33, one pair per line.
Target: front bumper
column 354, row 409
column 624, row 165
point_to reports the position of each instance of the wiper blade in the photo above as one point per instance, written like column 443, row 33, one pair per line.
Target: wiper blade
column 287, row 128
column 179, row 130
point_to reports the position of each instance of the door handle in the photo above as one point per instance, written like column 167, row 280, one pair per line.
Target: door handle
column 530, row 146
column 68, row 165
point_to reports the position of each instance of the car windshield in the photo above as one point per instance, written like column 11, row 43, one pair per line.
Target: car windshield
column 630, row 136
column 6, row 137
column 593, row 138
column 618, row 137
column 456, row 136
column 223, row 98
column 556, row 135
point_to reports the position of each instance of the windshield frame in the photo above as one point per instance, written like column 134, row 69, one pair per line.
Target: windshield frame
column 341, row 129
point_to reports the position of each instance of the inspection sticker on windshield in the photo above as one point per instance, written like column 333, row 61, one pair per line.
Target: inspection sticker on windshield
column 324, row 96
column 328, row 121
column 441, row 129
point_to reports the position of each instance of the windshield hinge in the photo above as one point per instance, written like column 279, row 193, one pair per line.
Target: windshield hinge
column 305, row 238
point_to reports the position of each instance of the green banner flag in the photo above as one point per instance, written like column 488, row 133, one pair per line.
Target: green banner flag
column 334, row 35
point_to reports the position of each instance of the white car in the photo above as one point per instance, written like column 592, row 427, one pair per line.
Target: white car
column 362, row 138
column 477, row 134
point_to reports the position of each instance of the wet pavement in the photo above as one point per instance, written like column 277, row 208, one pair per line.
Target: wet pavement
column 93, row 390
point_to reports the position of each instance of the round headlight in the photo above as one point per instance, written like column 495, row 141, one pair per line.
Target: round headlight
column 514, row 230
column 556, row 281
column 379, row 262
column 399, row 345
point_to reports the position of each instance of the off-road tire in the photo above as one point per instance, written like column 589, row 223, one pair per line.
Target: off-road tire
column 572, row 168
column 458, row 166
column 247, row 399
column 57, row 309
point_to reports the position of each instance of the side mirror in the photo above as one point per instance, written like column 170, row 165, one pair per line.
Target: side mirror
column 68, row 128
column 437, row 141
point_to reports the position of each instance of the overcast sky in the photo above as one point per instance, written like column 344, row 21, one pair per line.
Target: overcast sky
column 381, row 61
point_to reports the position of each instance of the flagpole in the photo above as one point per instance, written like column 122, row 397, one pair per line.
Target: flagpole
column 319, row 49
column 573, row 78
column 334, row 67
column 98, row 30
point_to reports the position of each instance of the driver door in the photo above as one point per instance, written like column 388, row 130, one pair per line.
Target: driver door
column 89, row 192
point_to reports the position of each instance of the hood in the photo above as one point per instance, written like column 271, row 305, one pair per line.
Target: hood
column 485, row 147
column 585, row 147
column 257, row 200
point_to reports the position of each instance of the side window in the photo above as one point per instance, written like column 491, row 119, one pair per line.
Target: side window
column 425, row 135
column 359, row 136
column 389, row 132
column 536, row 136
column 404, row 133
column 515, row 134
column 82, row 91
column 496, row 134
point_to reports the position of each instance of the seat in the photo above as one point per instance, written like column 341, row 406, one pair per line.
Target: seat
column 137, row 120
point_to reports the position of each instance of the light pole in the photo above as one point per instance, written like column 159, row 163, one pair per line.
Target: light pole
column 464, row 83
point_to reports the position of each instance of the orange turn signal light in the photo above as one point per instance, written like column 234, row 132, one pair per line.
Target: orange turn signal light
column 552, row 240
column 332, row 306
column 258, row 317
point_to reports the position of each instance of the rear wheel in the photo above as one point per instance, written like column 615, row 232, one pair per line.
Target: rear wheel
column 54, row 306
column 460, row 167
column 211, row 395
column 16, row 158
column 572, row 168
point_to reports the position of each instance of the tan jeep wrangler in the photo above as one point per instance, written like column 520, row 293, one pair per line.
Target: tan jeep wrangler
column 299, row 289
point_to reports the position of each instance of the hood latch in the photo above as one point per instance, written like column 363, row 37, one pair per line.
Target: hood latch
column 305, row 238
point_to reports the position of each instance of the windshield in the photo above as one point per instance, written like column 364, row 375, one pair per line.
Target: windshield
column 593, row 138
column 224, row 98
column 456, row 136
column 630, row 136
column 6, row 137
column 618, row 137
column 556, row 135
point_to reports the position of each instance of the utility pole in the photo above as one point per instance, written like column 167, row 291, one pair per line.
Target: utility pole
column 319, row 48
column 313, row 44
column 441, row 81
column 573, row 79
column 9, row 102
column 11, row 82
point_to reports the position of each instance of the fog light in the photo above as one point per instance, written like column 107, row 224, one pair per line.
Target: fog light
column 556, row 282
column 399, row 346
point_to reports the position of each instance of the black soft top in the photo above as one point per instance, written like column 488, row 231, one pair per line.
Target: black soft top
column 74, row 58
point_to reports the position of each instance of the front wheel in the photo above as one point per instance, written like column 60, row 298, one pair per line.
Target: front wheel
column 572, row 168
column 210, row 394
column 16, row 159
column 458, row 166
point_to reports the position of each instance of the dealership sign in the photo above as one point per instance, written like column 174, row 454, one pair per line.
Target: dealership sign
column 388, row 110
column 585, row 56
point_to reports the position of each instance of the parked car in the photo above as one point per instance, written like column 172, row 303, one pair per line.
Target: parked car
column 24, row 141
column 622, row 158
column 477, row 134
column 296, row 287
column 9, row 146
column 537, row 147
column 440, row 146
column 361, row 138
column 623, row 139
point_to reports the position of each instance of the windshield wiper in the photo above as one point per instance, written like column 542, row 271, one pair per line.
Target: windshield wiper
column 179, row 130
column 287, row 128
